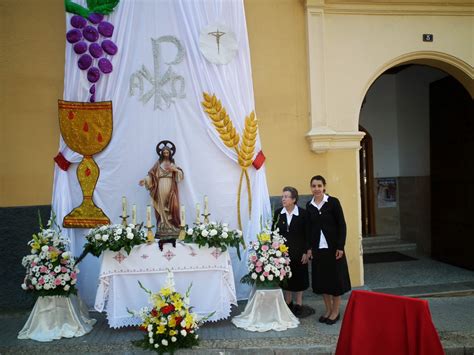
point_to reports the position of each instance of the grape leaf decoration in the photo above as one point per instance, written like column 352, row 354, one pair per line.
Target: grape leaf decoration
column 91, row 37
column 104, row 7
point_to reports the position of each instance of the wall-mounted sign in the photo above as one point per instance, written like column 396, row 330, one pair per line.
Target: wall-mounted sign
column 427, row 37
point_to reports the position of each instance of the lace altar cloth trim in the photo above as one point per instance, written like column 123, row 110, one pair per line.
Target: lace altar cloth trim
column 149, row 259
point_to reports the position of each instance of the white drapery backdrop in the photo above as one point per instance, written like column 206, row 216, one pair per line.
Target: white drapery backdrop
column 210, row 168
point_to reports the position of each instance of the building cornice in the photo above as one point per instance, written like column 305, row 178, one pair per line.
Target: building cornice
column 419, row 8
column 322, row 140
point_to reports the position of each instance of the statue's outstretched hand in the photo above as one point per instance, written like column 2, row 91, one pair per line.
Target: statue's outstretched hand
column 141, row 182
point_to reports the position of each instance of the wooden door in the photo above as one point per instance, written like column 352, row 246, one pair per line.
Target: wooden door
column 452, row 173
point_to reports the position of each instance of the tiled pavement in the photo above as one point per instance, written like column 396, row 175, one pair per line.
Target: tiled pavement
column 449, row 290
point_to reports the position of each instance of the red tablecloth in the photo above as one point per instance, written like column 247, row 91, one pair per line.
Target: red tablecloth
column 376, row 323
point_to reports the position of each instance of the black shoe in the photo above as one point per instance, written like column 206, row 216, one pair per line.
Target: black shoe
column 290, row 306
column 323, row 319
column 297, row 310
column 330, row 321
column 306, row 311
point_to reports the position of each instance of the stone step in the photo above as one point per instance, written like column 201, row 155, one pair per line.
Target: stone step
column 385, row 244
column 380, row 239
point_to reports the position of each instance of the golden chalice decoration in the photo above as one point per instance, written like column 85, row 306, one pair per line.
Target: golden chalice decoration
column 87, row 129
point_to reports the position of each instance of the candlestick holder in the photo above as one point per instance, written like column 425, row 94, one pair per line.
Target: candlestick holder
column 206, row 217
column 124, row 220
column 150, row 237
column 182, row 232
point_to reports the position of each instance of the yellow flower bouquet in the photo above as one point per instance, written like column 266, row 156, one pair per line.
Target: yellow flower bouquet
column 169, row 324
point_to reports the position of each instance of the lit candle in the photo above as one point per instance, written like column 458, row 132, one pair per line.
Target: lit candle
column 198, row 213
column 182, row 216
column 206, row 211
column 124, row 207
column 134, row 214
column 148, row 216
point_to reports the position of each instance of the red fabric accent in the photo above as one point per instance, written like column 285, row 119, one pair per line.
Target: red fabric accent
column 376, row 323
column 62, row 162
column 259, row 160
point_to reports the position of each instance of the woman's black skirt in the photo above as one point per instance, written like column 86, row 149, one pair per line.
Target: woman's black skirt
column 328, row 275
column 299, row 280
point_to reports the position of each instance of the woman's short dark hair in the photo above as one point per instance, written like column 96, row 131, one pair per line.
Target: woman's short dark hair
column 292, row 191
column 318, row 177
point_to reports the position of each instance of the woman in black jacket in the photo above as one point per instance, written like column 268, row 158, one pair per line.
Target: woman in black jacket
column 330, row 275
column 292, row 220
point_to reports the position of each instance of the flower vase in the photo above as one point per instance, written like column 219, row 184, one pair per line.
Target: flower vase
column 55, row 317
column 267, row 285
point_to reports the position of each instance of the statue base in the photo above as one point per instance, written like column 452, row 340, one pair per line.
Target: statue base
column 164, row 232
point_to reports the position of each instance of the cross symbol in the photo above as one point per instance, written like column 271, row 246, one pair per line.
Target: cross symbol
column 216, row 253
column 169, row 255
column 218, row 34
column 120, row 257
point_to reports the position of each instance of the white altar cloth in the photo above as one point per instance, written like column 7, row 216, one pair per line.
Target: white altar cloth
column 208, row 269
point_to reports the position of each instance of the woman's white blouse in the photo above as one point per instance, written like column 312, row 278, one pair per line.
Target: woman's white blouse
column 323, row 244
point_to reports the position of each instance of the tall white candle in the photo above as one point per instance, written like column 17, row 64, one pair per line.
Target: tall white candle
column 124, row 207
column 183, row 217
column 198, row 212
column 134, row 214
column 148, row 216
column 206, row 211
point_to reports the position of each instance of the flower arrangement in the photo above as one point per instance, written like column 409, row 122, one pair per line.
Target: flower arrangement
column 268, row 260
column 169, row 324
column 50, row 268
column 217, row 235
column 113, row 237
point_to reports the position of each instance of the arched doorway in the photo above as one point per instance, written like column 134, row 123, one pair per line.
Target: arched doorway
column 398, row 115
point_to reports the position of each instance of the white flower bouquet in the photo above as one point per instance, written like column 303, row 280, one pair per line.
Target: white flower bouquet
column 50, row 268
column 217, row 235
column 268, row 260
column 113, row 237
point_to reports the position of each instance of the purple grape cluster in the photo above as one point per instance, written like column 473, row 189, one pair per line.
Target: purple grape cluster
column 91, row 42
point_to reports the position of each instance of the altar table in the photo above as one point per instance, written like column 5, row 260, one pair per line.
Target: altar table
column 376, row 323
column 208, row 269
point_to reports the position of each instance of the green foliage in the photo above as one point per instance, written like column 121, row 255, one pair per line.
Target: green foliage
column 103, row 7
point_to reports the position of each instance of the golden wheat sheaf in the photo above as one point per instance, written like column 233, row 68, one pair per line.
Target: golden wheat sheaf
column 230, row 137
column 249, row 138
column 221, row 120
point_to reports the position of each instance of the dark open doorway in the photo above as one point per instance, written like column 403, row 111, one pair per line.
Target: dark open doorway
column 452, row 173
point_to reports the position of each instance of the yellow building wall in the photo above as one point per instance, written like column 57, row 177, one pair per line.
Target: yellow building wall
column 360, row 47
column 32, row 38
column 277, row 36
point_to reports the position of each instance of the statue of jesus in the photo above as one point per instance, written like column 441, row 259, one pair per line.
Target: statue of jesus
column 162, row 183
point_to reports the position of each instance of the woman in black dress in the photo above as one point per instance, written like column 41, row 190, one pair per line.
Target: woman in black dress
column 330, row 275
column 291, row 220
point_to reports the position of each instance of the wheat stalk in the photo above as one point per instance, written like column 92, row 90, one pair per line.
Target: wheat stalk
column 249, row 138
column 221, row 120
